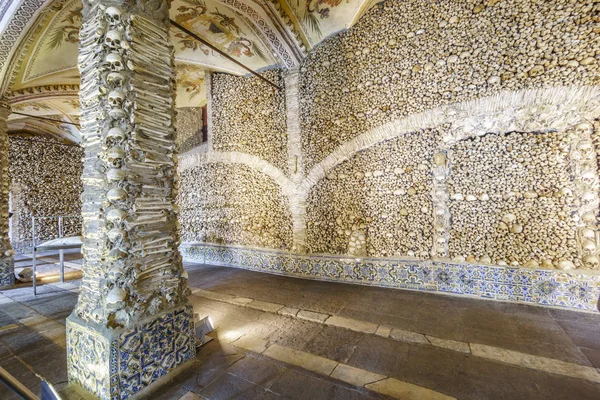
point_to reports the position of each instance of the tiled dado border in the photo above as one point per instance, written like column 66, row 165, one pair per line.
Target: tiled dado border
column 540, row 287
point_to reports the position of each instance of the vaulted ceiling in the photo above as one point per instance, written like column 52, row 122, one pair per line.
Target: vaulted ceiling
column 39, row 39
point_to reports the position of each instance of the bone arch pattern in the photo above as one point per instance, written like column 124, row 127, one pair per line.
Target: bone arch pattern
column 566, row 109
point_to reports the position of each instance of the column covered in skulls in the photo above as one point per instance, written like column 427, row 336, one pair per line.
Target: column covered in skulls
column 131, row 324
column 7, row 275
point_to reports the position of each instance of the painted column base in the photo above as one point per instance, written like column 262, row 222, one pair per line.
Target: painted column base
column 130, row 362
column 7, row 273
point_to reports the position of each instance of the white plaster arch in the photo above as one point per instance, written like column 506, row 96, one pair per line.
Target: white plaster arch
column 524, row 110
column 202, row 155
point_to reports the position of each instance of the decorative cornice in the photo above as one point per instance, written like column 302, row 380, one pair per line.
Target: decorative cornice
column 43, row 92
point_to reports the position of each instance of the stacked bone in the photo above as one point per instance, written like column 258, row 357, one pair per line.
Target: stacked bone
column 6, row 269
column 232, row 204
column 250, row 116
column 132, row 267
column 406, row 57
column 583, row 156
column 511, row 200
column 48, row 176
column 384, row 194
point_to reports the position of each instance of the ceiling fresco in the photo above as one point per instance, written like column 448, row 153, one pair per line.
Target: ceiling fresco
column 322, row 18
column 39, row 70
column 223, row 28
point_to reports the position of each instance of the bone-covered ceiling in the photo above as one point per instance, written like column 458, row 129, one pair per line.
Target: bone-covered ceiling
column 39, row 46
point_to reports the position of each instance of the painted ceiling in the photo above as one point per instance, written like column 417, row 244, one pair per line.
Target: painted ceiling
column 39, row 71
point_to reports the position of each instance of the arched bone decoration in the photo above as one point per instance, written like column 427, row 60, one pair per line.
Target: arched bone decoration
column 134, row 287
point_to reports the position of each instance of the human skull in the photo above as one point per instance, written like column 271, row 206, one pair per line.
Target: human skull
column 115, row 78
column 116, row 235
column 116, row 98
column 588, row 233
column 115, row 134
column 113, row 16
column 584, row 128
column 114, row 156
column 588, row 176
column 588, row 198
column 591, row 262
column 115, row 175
column 585, row 148
column 588, row 217
column 116, row 216
column 116, row 194
column 115, row 272
column 113, row 39
column 114, row 62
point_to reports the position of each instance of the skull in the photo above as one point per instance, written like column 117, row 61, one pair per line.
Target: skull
column 114, row 156
column 115, row 272
column 116, row 98
column 116, row 235
column 584, row 128
column 588, row 246
column 113, row 39
column 591, row 262
column 588, row 217
column 116, row 216
column 115, row 78
column 113, row 16
column 588, row 176
column 588, row 198
column 115, row 174
column 585, row 148
column 116, row 194
column 115, row 134
column 588, row 233
column 115, row 62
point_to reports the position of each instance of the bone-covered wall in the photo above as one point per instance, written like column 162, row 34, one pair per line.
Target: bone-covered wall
column 188, row 125
column 455, row 130
column 378, row 203
column 404, row 57
column 250, row 116
column 233, row 204
column 45, row 179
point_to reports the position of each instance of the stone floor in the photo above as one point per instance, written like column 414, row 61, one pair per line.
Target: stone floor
column 285, row 338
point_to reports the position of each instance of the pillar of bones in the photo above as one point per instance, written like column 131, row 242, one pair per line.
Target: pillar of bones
column 131, row 327
column 7, row 275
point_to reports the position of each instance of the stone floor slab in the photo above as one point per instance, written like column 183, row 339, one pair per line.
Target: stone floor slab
column 265, row 306
column 288, row 311
column 355, row 376
column 352, row 324
column 535, row 362
column 301, row 359
column 449, row 344
column 312, row 316
column 409, row 337
column 405, row 391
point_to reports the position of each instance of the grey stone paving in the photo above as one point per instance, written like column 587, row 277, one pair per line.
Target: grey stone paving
column 224, row 371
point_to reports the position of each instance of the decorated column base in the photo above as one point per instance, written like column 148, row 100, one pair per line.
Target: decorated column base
column 7, row 273
column 130, row 362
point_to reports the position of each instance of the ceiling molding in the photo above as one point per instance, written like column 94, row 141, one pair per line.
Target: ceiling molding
column 29, row 18
column 291, row 24
column 41, row 92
